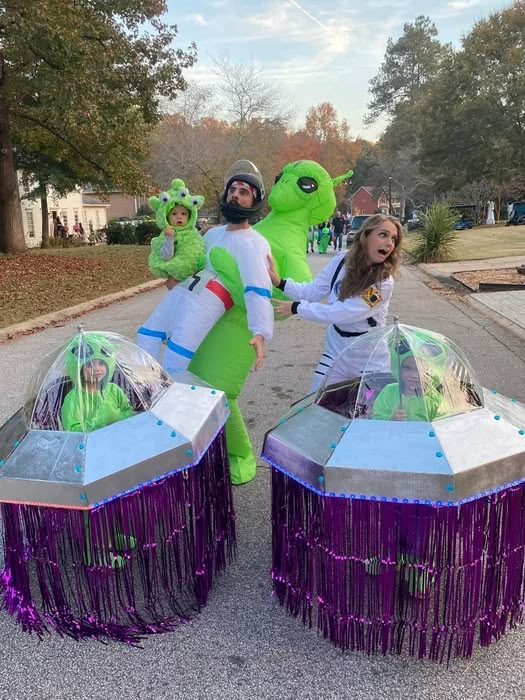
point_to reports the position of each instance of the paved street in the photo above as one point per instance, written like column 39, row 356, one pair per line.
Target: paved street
column 244, row 646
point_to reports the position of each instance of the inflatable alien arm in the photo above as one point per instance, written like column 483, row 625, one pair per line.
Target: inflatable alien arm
column 189, row 254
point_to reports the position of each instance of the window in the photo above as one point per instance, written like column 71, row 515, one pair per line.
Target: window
column 75, row 215
column 30, row 223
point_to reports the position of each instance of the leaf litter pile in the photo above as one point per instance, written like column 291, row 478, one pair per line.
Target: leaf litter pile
column 472, row 278
column 39, row 282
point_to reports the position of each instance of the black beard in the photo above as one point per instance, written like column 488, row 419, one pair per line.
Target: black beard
column 234, row 219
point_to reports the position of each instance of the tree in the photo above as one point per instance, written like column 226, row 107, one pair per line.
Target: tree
column 193, row 143
column 39, row 175
column 472, row 124
column 409, row 65
column 80, row 83
column 199, row 153
column 247, row 99
column 336, row 151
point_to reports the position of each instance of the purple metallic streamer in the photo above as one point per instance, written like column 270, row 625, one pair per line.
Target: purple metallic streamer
column 385, row 577
column 172, row 536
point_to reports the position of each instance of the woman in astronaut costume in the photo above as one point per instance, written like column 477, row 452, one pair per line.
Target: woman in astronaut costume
column 359, row 286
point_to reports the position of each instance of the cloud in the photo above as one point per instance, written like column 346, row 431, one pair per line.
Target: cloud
column 197, row 18
column 462, row 4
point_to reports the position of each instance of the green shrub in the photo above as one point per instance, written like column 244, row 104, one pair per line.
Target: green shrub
column 145, row 231
column 434, row 241
column 121, row 232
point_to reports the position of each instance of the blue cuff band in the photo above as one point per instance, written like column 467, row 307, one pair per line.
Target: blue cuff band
column 153, row 334
column 179, row 350
column 261, row 291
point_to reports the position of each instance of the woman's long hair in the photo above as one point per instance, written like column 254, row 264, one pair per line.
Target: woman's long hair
column 359, row 274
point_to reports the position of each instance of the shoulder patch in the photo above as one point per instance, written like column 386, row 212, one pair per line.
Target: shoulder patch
column 372, row 296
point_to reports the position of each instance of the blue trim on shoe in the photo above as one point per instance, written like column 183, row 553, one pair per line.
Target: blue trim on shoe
column 153, row 334
column 179, row 350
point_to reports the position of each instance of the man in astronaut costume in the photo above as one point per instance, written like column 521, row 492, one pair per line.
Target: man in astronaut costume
column 191, row 309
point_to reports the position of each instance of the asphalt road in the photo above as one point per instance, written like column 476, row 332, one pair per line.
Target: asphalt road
column 243, row 645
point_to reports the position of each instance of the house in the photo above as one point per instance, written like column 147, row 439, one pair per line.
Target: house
column 120, row 205
column 92, row 209
column 76, row 207
column 365, row 200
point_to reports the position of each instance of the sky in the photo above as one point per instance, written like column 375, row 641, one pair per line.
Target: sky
column 315, row 50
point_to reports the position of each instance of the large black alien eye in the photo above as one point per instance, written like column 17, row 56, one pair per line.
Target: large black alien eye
column 278, row 177
column 307, row 184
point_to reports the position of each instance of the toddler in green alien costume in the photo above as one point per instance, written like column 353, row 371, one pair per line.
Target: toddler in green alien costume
column 178, row 252
column 415, row 396
column 94, row 401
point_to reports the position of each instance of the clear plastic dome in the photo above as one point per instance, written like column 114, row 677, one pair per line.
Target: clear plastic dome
column 410, row 374
column 94, row 379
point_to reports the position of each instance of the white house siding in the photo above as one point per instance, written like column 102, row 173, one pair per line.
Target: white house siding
column 70, row 209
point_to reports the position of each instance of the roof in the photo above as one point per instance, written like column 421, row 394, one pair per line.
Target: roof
column 370, row 190
column 90, row 201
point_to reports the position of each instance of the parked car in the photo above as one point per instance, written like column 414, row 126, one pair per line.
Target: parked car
column 468, row 217
column 464, row 223
column 516, row 214
column 355, row 225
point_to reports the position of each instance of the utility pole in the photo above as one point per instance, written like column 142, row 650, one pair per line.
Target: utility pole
column 390, row 196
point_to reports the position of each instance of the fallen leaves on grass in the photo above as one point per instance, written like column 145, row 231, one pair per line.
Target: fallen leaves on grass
column 39, row 282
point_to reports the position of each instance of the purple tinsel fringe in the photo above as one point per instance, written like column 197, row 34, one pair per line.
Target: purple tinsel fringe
column 381, row 577
column 172, row 537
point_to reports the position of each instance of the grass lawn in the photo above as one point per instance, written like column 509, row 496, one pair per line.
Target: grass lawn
column 484, row 242
column 41, row 281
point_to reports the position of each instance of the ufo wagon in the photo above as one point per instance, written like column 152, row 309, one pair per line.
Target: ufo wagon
column 115, row 494
column 398, row 502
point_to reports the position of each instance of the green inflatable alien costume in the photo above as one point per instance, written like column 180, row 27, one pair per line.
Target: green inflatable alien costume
column 303, row 194
column 324, row 239
column 188, row 254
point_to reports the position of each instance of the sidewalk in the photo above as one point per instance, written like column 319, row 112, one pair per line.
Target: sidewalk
column 506, row 308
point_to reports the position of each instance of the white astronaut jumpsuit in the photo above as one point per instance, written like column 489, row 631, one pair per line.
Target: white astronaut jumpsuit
column 348, row 316
column 189, row 311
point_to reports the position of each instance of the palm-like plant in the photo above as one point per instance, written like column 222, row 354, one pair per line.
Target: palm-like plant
column 434, row 241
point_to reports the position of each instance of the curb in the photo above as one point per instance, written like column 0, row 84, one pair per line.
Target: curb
column 472, row 300
column 502, row 321
column 55, row 317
